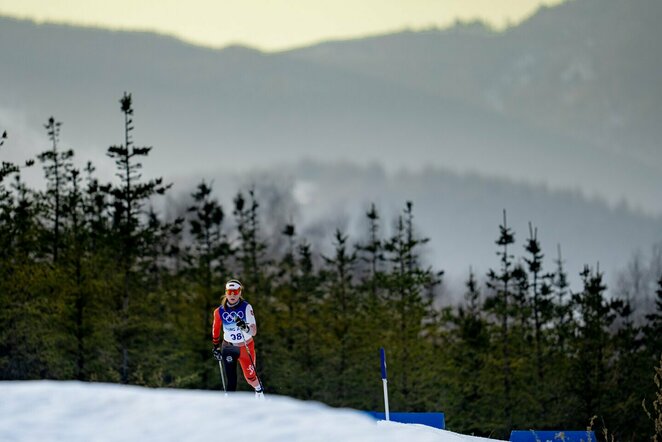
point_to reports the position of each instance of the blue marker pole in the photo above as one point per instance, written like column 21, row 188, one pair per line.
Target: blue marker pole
column 382, row 355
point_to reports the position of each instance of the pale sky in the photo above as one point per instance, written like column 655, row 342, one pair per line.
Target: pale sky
column 271, row 25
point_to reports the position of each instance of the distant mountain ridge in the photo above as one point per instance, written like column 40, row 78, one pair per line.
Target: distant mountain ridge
column 531, row 104
column 586, row 68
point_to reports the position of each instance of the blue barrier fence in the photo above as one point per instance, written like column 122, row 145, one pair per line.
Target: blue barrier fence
column 435, row 420
column 551, row 436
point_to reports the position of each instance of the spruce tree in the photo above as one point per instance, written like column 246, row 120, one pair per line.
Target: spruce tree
column 7, row 168
column 653, row 328
column 57, row 166
column 561, row 333
column 540, row 293
column 340, row 308
column 591, row 346
column 75, row 255
column 521, row 304
column 211, row 251
column 6, row 206
column 254, row 268
column 469, row 348
column 500, row 305
column 307, row 285
column 410, row 288
column 31, row 332
column 655, row 414
column 562, row 302
column 282, row 326
column 371, row 252
column 129, row 196
column 629, row 376
column 251, row 249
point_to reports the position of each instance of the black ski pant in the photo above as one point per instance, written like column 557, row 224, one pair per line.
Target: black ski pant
column 230, row 357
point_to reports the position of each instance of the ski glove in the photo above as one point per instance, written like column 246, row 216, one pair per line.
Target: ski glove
column 243, row 326
column 217, row 353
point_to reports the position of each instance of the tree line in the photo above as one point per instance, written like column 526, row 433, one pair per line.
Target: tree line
column 95, row 285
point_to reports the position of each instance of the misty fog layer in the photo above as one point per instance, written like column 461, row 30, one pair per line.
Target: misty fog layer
column 555, row 120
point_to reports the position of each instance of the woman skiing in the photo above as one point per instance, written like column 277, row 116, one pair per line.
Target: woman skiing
column 236, row 318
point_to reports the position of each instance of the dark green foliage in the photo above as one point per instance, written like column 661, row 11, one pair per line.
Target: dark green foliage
column 133, row 239
column 468, row 344
column 341, row 305
column 7, row 168
column 653, row 330
column 57, row 165
column 207, row 270
column 591, row 346
column 407, row 285
column 500, row 305
column 95, row 285
column 654, row 412
column 539, row 293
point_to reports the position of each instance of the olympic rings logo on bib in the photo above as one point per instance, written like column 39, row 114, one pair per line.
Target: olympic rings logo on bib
column 232, row 316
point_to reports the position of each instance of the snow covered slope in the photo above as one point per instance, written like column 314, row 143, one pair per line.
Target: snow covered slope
column 75, row 411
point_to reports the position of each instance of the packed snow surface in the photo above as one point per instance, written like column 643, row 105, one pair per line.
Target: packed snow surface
column 75, row 411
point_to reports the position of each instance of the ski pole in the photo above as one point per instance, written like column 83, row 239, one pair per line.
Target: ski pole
column 220, row 367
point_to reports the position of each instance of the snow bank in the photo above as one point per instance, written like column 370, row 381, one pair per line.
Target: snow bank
column 76, row 411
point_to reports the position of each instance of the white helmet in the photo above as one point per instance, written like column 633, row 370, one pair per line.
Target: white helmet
column 233, row 285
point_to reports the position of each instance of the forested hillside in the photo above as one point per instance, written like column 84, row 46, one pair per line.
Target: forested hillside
column 95, row 285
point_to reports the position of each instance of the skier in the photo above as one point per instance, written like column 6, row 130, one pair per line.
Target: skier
column 235, row 316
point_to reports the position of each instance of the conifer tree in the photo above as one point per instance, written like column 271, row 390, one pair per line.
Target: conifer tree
column 6, row 240
column 655, row 415
column 28, row 335
column 27, row 349
column 296, row 334
column 75, row 255
column 521, row 304
column 251, row 249
column 469, row 350
column 290, row 295
column 409, row 287
column 500, row 305
column 561, row 332
column 591, row 346
column 653, row 329
column 6, row 206
column 165, row 359
column 340, row 309
column 629, row 375
column 313, row 331
column 540, row 292
column 96, row 211
column 91, row 251
column 10, row 200
column 57, row 165
column 7, row 168
column 211, row 250
column 283, row 325
column 253, row 265
column 372, row 253
column 562, row 305
column 211, row 245
column 129, row 197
